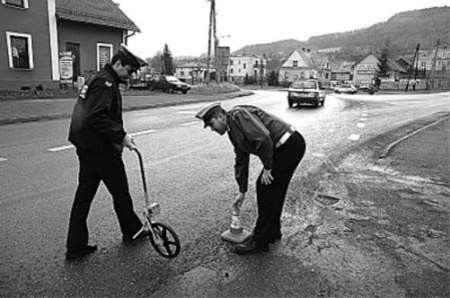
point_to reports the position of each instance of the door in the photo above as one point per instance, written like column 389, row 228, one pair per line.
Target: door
column 75, row 49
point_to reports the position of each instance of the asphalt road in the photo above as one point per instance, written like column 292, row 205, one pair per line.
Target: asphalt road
column 190, row 173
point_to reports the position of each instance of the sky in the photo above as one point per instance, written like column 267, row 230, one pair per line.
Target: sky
column 183, row 24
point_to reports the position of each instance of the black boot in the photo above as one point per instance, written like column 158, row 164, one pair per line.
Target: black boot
column 251, row 247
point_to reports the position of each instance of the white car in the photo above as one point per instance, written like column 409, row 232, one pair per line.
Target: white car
column 345, row 88
column 308, row 91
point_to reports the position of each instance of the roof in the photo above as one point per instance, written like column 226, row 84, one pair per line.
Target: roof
column 98, row 12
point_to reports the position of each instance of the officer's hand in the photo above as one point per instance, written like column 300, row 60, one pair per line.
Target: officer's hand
column 266, row 177
column 238, row 203
column 128, row 142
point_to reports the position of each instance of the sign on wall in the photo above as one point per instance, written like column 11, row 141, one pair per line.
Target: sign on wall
column 66, row 67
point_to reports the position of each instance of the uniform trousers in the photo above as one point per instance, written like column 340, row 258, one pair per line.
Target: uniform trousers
column 270, row 198
column 110, row 169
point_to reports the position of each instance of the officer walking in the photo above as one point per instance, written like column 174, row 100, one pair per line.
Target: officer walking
column 96, row 130
column 280, row 148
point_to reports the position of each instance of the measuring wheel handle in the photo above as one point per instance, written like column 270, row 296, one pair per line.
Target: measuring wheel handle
column 164, row 240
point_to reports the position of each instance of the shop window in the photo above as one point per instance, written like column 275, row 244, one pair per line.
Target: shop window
column 16, row 3
column 20, row 50
column 104, row 54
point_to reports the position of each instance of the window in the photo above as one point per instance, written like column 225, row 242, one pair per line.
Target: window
column 244, row 65
column 20, row 50
column 231, row 70
column 16, row 3
column 182, row 73
column 295, row 63
column 231, row 61
column 104, row 54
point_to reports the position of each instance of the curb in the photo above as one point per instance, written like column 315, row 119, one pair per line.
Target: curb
column 389, row 147
column 34, row 118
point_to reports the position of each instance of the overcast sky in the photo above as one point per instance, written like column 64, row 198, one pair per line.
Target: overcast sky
column 183, row 24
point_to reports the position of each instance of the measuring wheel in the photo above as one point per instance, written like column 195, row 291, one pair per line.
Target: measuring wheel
column 164, row 240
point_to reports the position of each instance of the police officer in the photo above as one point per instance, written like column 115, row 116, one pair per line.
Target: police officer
column 280, row 148
column 96, row 130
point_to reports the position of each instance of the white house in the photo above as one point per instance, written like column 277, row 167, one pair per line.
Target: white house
column 303, row 64
column 240, row 66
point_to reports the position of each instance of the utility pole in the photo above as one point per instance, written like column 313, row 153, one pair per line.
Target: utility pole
column 261, row 71
column 416, row 57
column 211, row 11
column 216, row 44
column 433, row 65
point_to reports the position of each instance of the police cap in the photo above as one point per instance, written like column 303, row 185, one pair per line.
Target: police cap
column 137, row 61
column 207, row 112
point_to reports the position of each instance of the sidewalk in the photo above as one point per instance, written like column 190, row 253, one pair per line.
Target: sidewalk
column 16, row 111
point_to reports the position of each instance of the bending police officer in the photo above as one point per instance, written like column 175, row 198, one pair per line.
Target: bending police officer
column 280, row 148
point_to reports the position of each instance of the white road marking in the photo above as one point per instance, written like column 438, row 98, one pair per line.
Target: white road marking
column 67, row 147
column 190, row 123
column 362, row 119
column 61, row 148
column 134, row 134
column 353, row 137
column 318, row 154
column 187, row 112
column 364, row 114
column 3, row 159
column 361, row 125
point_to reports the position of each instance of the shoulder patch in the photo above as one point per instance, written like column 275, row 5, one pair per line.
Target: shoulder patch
column 83, row 92
column 108, row 84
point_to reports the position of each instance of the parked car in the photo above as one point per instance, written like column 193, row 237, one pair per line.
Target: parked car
column 307, row 91
column 168, row 83
column 371, row 89
column 345, row 88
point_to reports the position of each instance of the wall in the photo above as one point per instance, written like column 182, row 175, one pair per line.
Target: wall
column 33, row 21
column 87, row 36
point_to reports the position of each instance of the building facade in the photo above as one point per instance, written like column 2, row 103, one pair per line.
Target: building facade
column 304, row 64
column 240, row 67
column 27, row 49
column 37, row 32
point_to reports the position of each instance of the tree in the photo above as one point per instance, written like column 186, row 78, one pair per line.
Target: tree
column 272, row 79
column 167, row 61
column 156, row 62
column 383, row 67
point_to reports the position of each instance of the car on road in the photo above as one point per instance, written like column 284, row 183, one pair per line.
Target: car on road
column 168, row 84
column 306, row 91
column 345, row 88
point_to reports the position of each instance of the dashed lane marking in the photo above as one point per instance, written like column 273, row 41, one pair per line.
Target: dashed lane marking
column 3, row 159
column 364, row 114
column 138, row 133
column 361, row 125
column 353, row 137
column 61, row 148
column 190, row 123
column 362, row 119
column 318, row 154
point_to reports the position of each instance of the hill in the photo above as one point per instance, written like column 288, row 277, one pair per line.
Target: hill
column 402, row 31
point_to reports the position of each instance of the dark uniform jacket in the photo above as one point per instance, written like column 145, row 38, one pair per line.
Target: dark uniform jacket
column 251, row 130
column 96, row 126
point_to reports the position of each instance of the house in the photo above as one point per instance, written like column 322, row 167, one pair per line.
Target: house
column 241, row 66
column 304, row 64
column 342, row 72
column 365, row 72
column 442, row 63
column 191, row 72
column 37, row 32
